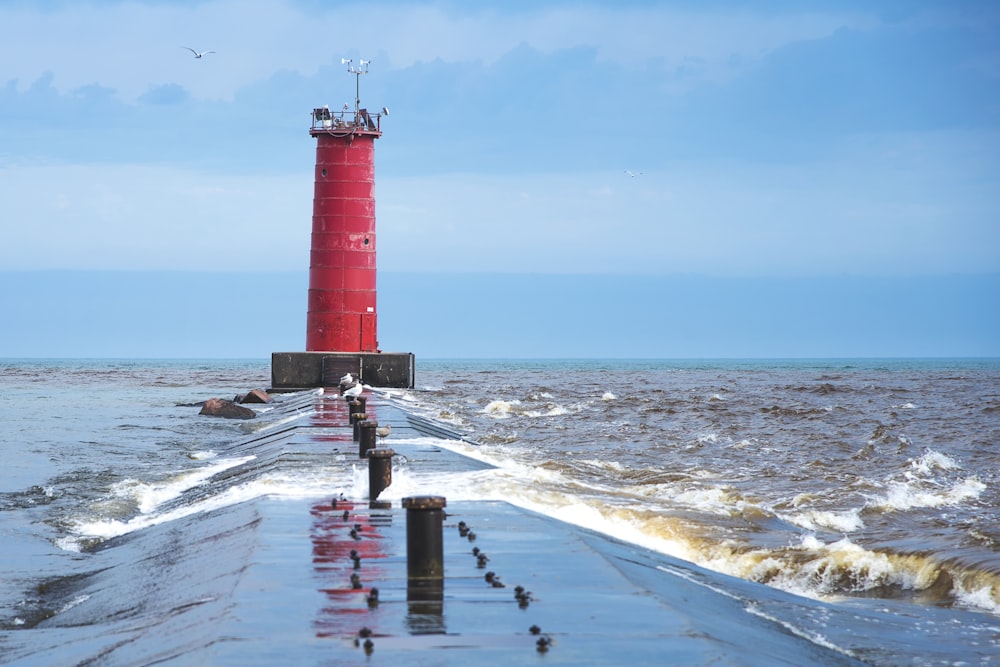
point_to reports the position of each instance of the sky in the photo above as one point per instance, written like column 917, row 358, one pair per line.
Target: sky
column 782, row 141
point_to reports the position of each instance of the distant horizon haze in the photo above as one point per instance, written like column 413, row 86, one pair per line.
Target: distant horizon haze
column 159, row 314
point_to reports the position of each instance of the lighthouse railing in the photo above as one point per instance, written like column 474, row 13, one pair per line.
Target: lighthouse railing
column 325, row 119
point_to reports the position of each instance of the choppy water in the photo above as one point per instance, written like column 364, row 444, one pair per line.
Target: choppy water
column 870, row 484
column 825, row 478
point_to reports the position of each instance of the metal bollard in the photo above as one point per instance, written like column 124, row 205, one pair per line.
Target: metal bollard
column 424, row 548
column 359, row 418
column 353, row 407
column 367, row 439
column 379, row 471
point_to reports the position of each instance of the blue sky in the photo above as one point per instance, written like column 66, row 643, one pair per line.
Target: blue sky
column 776, row 140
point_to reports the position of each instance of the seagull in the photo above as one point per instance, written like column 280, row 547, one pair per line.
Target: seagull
column 354, row 391
column 196, row 53
column 633, row 174
column 383, row 431
column 347, row 379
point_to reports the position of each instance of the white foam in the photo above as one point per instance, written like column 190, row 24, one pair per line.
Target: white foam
column 500, row 409
column 606, row 465
column 148, row 496
column 554, row 411
column 931, row 461
column 845, row 521
column 428, row 441
column 76, row 601
column 827, row 569
column 289, row 485
column 984, row 597
column 810, row 542
column 713, row 499
column 901, row 496
column 542, row 395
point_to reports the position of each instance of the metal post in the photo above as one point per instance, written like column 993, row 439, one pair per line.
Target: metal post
column 367, row 440
column 424, row 547
column 358, row 421
column 379, row 471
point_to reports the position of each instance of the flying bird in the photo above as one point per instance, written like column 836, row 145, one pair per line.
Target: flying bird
column 197, row 54
column 633, row 174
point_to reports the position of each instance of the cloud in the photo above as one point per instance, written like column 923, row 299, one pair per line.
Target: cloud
column 168, row 94
column 136, row 217
column 254, row 39
column 825, row 218
column 776, row 140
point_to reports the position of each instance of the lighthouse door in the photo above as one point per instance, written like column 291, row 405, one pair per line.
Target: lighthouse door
column 369, row 342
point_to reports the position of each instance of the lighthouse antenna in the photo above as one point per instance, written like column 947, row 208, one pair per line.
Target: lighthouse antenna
column 362, row 68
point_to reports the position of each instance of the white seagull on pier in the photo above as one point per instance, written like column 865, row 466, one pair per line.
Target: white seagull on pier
column 347, row 379
column 383, row 431
column 354, row 391
column 197, row 54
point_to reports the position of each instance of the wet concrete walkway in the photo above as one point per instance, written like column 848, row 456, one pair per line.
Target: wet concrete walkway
column 543, row 591
column 273, row 581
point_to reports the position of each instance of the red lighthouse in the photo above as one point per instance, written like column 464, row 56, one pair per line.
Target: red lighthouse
column 342, row 320
column 342, row 307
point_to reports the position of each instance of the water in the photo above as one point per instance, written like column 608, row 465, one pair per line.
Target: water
column 873, row 485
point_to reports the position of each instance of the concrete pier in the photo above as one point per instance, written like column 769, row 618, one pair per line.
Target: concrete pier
column 326, row 580
column 293, row 371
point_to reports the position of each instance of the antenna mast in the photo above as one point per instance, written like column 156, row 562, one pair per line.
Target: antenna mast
column 362, row 68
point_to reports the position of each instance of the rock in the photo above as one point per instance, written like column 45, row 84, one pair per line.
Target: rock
column 219, row 407
column 255, row 396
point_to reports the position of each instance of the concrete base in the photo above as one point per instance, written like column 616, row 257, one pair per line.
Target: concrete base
column 291, row 371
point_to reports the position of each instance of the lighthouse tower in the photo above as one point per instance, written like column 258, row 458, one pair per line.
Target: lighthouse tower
column 342, row 306
column 342, row 318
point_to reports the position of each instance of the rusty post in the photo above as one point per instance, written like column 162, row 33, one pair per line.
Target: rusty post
column 359, row 419
column 379, row 471
column 353, row 407
column 424, row 548
column 367, row 440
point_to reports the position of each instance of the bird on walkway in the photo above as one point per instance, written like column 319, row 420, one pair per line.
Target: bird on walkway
column 383, row 431
column 197, row 54
column 354, row 391
column 347, row 379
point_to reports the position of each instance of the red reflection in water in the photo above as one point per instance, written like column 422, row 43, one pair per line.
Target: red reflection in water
column 332, row 540
column 331, row 410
